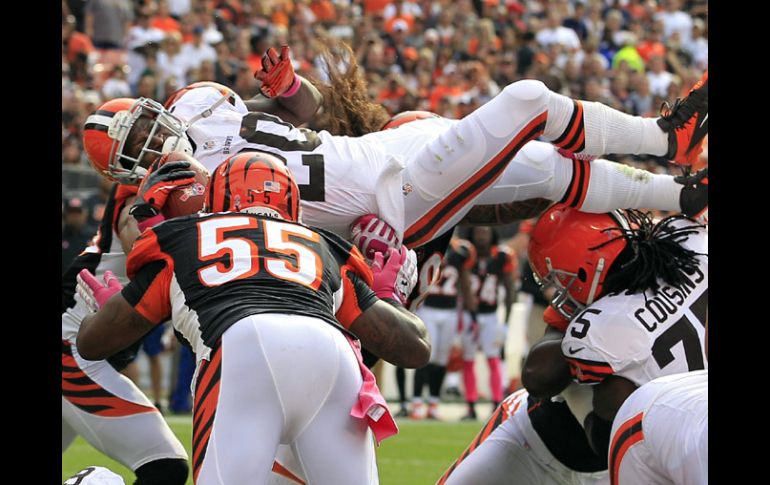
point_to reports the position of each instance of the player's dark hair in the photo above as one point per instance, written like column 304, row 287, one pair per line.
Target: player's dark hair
column 346, row 109
column 654, row 251
column 468, row 236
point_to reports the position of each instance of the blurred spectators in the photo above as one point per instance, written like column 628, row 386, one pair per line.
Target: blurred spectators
column 447, row 56
column 75, row 231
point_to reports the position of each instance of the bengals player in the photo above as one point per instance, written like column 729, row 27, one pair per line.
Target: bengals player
column 242, row 282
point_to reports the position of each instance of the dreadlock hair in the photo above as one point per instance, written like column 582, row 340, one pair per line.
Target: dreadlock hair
column 346, row 108
column 654, row 251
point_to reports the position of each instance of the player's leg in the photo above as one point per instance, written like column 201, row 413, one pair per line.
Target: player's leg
column 490, row 343
column 446, row 328
column 238, row 416
column 493, row 455
column 450, row 171
column 153, row 346
column 470, row 342
column 68, row 434
column 115, row 417
column 330, row 445
column 541, row 170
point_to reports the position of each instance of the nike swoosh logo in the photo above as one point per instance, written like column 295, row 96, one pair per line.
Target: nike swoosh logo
column 574, row 351
column 705, row 119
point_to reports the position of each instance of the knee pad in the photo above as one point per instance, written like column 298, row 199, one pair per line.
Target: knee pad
column 166, row 471
column 526, row 89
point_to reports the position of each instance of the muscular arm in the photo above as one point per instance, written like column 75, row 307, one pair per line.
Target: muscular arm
column 128, row 229
column 394, row 334
column 113, row 328
column 296, row 109
column 610, row 394
column 506, row 213
column 546, row 372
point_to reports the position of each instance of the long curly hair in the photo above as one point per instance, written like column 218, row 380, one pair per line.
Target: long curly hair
column 346, row 108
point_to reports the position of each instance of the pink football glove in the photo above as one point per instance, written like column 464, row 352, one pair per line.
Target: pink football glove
column 277, row 74
column 396, row 277
column 373, row 235
column 95, row 293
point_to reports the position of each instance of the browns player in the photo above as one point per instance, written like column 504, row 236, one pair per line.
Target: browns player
column 247, row 275
column 423, row 177
column 630, row 305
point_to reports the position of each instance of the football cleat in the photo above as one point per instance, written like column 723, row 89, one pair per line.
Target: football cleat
column 694, row 198
column 687, row 123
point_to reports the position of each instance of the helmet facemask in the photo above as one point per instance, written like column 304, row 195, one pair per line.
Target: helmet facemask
column 562, row 281
column 127, row 169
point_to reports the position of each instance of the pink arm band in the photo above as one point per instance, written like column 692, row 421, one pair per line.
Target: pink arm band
column 294, row 87
column 151, row 222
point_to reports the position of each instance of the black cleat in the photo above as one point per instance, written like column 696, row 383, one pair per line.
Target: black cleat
column 687, row 123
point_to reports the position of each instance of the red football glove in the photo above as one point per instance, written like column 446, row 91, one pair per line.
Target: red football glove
column 396, row 277
column 277, row 74
column 373, row 235
column 157, row 184
column 94, row 292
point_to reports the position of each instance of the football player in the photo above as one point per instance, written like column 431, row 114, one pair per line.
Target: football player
column 423, row 177
column 493, row 268
column 272, row 310
column 440, row 313
column 630, row 305
column 660, row 434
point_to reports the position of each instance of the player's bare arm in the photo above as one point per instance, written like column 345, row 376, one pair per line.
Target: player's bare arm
column 128, row 228
column 113, row 328
column 610, row 394
column 546, row 372
column 296, row 109
column 506, row 213
column 283, row 93
column 394, row 334
column 470, row 300
column 510, row 294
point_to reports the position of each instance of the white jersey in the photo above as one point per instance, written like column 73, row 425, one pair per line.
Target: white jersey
column 340, row 178
column 660, row 434
column 104, row 253
column 642, row 337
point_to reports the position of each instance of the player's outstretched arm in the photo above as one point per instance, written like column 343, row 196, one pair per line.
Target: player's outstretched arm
column 396, row 335
column 389, row 330
column 113, row 328
column 284, row 93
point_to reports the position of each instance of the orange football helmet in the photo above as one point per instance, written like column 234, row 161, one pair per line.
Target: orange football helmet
column 229, row 95
column 106, row 130
column 573, row 251
column 254, row 182
column 406, row 117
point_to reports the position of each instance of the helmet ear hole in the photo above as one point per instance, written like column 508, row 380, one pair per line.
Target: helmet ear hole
column 582, row 275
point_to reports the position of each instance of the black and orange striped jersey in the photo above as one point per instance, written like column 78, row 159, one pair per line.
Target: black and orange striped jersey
column 208, row 271
column 487, row 274
column 460, row 255
column 104, row 253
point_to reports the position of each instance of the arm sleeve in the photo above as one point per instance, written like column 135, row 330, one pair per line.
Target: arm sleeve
column 357, row 297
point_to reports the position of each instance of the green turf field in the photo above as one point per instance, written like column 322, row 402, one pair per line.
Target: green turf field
column 418, row 455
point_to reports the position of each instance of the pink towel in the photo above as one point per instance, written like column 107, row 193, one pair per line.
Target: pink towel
column 370, row 401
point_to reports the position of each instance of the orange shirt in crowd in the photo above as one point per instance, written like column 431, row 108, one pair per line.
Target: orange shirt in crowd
column 375, row 6
column 647, row 49
column 166, row 24
column 473, row 45
column 324, row 10
column 404, row 17
column 78, row 42
column 440, row 91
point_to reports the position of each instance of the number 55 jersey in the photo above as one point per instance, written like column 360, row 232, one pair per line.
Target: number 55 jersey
column 207, row 272
column 644, row 335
